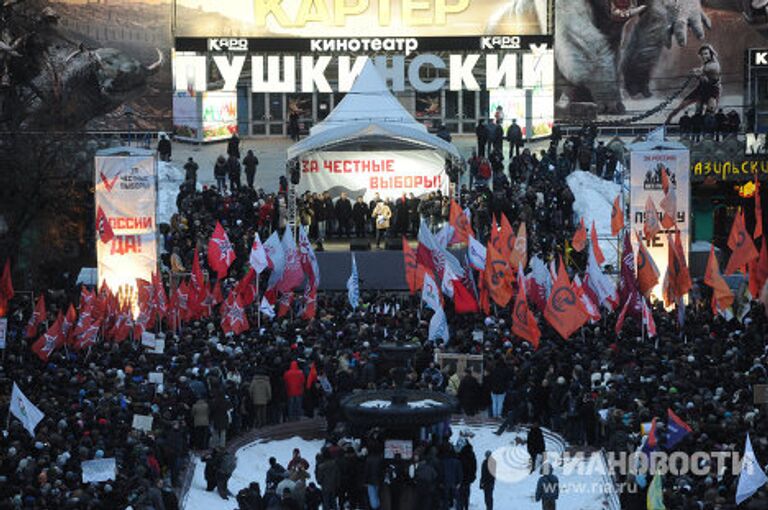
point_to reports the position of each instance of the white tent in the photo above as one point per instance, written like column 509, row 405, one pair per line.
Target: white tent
column 370, row 113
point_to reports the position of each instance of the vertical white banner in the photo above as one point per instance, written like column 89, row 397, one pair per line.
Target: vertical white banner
column 126, row 190
column 3, row 331
column 645, row 180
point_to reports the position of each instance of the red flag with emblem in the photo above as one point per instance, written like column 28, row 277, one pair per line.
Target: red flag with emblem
column 234, row 320
column 69, row 320
column 506, row 238
column 87, row 336
column 743, row 250
column 758, row 212
column 106, row 234
column 579, row 241
column 196, row 279
column 246, row 287
column 50, row 340
column 758, row 271
column 495, row 239
column 218, row 296
column 414, row 272
column 38, row 315
column 722, row 297
column 617, row 216
column 565, row 312
column 221, row 253
column 161, row 299
column 523, row 321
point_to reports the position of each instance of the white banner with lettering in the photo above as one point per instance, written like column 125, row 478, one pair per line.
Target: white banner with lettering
column 126, row 190
column 388, row 173
column 645, row 176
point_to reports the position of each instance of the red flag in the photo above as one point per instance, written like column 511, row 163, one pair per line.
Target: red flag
column 651, row 225
column 627, row 281
column 668, row 204
column 523, row 321
column 50, row 340
column 221, row 254
column 565, row 311
column 743, row 249
column 758, row 212
column 218, row 296
column 498, row 276
column 677, row 281
column 758, row 271
column 69, row 320
column 6, row 288
column 647, row 272
column 617, row 216
column 462, row 229
column 196, row 278
column 650, row 324
column 664, row 180
column 234, row 319
column 293, row 273
column 312, row 377
column 599, row 257
column 414, row 272
column 590, row 304
column 579, row 241
column 38, row 315
column 106, row 234
column 310, row 302
column 161, row 299
column 633, row 303
column 87, row 336
column 463, row 300
column 246, row 287
column 722, row 297
column 284, row 304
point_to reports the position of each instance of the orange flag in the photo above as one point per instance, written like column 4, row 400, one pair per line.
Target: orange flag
column 664, row 181
column 579, row 241
column 599, row 257
column 617, row 216
column 743, row 249
column 507, row 238
column 758, row 271
column 498, row 276
column 462, row 229
column 651, row 224
column 677, row 281
column 414, row 272
column 722, row 297
column 485, row 301
column 758, row 211
column 520, row 252
column 495, row 235
column 564, row 311
column 523, row 321
column 647, row 272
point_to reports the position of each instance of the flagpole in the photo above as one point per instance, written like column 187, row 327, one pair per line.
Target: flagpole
column 258, row 302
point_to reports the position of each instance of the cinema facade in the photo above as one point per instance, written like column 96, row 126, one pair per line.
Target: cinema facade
column 247, row 68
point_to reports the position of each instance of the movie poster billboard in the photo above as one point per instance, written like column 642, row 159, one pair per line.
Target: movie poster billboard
column 646, row 165
column 126, row 191
column 360, row 18
column 651, row 61
column 390, row 174
column 131, row 41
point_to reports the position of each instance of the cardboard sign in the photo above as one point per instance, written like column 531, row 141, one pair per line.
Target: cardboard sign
column 159, row 347
column 99, row 470
column 142, row 422
column 156, row 377
column 148, row 339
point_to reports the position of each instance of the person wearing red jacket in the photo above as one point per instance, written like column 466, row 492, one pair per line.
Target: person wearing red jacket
column 294, row 389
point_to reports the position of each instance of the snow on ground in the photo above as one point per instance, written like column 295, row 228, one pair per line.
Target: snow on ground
column 169, row 178
column 594, row 201
column 515, row 487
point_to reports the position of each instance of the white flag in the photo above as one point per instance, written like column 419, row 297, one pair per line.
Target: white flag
column 353, row 286
column 266, row 308
column 752, row 477
column 25, row 411
column 438, row 326
column 258, row 258
column 447, row 284
column 430, row 294
column 476, row 254
column 603, row 287
column 444, row 236
column 274, row 249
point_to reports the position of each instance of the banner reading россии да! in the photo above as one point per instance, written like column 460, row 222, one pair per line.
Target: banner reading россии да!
column 390, row 174
column 126, row 190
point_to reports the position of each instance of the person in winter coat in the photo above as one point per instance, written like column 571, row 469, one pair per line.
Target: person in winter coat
column 374, row 477
column 275, row 474
column 453, row 476
column 233, row 147
column 328, row 476
column 381, row 215
column 212, row 462
column 220, row 173
column 343, row 209
column 224, row 472
column 481, row 133
column 200, row 422
column 234, row 169
column 424, row 477
column 515, row 137
column 294, row 389
column 250, row 162
column 535, row 444
column 498, row 381
column 547, row 488
column 250, row 498
column 487, row 481
column 219, row 416
column 190, row 171
column 261, row 393
column 469, row 393
column 164, row 148
column 468, row 475
column 360, row 214
column 297, row 462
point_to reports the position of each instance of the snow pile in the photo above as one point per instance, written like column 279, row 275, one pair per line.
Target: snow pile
column 594, row 201
column 421, row 404
column 169, row 178
column 376, row 404
column 515, row 486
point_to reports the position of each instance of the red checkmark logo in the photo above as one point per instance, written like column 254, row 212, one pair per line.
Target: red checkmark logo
column 107, row 183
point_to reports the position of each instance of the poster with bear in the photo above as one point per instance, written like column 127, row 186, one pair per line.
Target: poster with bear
column 653, row 60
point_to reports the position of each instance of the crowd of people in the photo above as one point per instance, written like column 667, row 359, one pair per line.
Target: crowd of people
column 595, row 389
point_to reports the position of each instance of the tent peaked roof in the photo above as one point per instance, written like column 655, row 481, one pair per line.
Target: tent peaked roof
column 369, row 111
column 369, row 100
